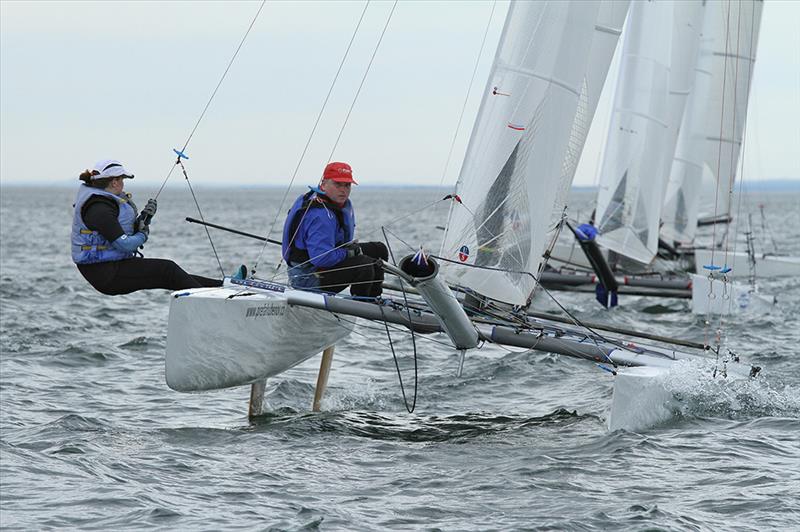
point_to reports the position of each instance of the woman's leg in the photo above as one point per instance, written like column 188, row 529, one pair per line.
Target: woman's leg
column 206, row 282
column 141, row 274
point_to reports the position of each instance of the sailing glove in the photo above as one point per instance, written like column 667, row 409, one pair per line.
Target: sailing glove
column 353, row 249
column 147, row 213
column 151, row 208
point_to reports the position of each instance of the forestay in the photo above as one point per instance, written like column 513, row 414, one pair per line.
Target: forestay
column 512, row 170
column 635, row 167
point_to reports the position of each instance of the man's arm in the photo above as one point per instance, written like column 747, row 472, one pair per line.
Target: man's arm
column 320, row 237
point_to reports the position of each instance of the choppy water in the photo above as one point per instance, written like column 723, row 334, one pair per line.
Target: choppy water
column 92, row 438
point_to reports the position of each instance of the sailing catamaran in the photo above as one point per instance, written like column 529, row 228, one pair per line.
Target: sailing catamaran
column 538, row 103
column 684, row 90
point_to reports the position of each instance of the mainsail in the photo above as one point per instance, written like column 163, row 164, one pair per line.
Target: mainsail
column 733, row 27
column 635, row 167
column 607, row 29
column 679, row 213
column 525, row 135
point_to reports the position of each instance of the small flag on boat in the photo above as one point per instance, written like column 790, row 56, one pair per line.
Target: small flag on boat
column 463, row 253
column 516, row 127
column 419, row 258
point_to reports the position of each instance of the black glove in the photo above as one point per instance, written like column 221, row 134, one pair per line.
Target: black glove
column 148, row 212
column 353, row 249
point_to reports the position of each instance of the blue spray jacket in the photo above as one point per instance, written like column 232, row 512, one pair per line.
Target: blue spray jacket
column 314, row 228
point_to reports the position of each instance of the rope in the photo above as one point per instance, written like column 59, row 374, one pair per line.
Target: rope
column 214, row 93
column 576, row 321
column 363, row 79
column 721, row 127
column 719, row 165
column 311, row 135
column 733, row 165
column 413, row 340
column 200, row 212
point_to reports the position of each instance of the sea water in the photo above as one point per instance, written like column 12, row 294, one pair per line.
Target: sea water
column 92, row 438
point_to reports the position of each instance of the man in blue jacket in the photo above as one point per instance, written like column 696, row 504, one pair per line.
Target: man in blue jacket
column 318, row 240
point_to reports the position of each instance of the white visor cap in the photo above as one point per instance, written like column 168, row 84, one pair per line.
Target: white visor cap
column 110, row 168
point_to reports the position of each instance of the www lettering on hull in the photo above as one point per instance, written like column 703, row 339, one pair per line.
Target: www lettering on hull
column 266, row 311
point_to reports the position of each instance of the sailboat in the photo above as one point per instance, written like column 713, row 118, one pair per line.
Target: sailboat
column 538, row 103
column 657, row 60
column 684, row 90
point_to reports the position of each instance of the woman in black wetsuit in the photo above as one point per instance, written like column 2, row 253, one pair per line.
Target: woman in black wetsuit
column 107, row 230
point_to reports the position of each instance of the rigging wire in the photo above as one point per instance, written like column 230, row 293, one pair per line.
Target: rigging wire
column 733, row 163
column 576, row 321
column 363, row 79
column 311, row 135
column 194, row 197
column 721, row 128
column 213, row 94
column 711, row 294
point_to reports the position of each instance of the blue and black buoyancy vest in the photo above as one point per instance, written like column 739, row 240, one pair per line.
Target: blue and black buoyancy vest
column 90, row 246
column 344, row 216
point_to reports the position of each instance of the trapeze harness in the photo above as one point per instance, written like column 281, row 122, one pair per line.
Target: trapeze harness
column 302, row 272
column 89, row 247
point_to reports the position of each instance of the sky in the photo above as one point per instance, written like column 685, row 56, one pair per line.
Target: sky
column 83, row 81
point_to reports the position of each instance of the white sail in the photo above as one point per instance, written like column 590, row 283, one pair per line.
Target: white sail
column 682, row 199
column 607, row 29
column 635, row 167
column 733, row 25
column 511, row 172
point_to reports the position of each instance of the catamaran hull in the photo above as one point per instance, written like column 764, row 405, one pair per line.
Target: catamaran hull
column 225, row 337
column 765, row 265
column 640, row 399
column 713, row 297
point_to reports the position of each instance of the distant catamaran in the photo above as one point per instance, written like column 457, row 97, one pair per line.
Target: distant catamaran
column 549, row 69
column 682, row 89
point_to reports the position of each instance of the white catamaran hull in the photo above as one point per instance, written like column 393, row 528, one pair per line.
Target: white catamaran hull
column 765, row 265
column 640, row 399
column 230, row 336
column 717, row 298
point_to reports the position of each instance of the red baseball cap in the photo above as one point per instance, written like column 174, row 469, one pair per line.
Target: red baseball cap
column 339, row 172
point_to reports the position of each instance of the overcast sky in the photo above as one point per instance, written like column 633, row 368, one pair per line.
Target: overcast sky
column 82, row 81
